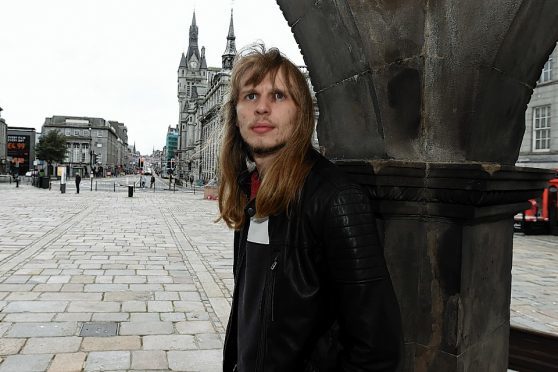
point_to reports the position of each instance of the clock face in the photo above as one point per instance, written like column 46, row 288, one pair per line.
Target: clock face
column 193, row 64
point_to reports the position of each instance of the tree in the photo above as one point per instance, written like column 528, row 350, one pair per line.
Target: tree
column 51, row 147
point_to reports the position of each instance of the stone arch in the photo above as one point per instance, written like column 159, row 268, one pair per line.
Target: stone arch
column 429, row 96
column 423, row 80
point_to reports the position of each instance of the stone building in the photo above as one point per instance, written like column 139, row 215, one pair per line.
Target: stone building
column 539, row 148
column 93, row 143
column 3, row 145
column 194, row 77
column 210, row 123
column 133, row 161
column 209, row 111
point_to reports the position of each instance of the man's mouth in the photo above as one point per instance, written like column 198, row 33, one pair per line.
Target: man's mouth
column 261, row 128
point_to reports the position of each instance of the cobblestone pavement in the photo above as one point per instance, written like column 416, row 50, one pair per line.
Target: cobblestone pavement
column 157, row 269
column 154, row 265
column 535, row 283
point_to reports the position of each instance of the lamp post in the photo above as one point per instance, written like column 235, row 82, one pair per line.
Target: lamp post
column 90, row 159
column 90, row 151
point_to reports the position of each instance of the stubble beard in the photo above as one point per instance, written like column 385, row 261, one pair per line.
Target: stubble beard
column 266, row 151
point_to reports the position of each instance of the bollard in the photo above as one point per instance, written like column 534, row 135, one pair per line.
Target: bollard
column 130, row 191
column 114, row 186
column 17, row 181
column 91, row 188
column 95, row 185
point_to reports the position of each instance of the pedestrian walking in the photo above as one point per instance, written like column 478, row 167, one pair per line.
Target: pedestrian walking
column 152, row 183
column 142, row 181
column 191, row 180
column 78, row 181
column 312, row 290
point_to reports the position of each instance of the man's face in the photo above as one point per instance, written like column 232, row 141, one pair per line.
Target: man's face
column 265, row 114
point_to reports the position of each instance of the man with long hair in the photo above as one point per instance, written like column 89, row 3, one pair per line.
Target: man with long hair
column 312, row 291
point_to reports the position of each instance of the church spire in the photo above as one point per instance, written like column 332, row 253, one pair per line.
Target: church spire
column 230, row 51
column 231, row 29
column 193, row 42
column 203, row 63
column 182, row 62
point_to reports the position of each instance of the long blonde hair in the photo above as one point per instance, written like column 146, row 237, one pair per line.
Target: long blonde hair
column 285, row 176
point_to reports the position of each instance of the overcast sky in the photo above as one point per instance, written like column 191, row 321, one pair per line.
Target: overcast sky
column 117, row 59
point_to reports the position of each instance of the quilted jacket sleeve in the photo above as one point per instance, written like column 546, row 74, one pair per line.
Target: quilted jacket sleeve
column 367, row 311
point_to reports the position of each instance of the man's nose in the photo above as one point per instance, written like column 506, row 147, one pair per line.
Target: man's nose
column 263, row 106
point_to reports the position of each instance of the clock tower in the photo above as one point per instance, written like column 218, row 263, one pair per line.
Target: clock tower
column 192, row 75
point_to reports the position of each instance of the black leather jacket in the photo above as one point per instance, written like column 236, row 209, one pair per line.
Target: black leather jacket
column 327, row 301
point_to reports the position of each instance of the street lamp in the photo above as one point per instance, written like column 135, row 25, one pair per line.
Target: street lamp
column 90, row 157
column 90, row 151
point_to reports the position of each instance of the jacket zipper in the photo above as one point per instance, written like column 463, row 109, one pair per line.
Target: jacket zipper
column 273, row 267
column 267, row 304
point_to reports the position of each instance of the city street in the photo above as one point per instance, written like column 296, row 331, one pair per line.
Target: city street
column 98, row 281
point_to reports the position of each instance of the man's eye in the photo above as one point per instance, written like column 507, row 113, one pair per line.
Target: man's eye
column 279, row 96
column 251, row 96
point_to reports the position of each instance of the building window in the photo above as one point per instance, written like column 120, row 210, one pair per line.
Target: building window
column 99, row 133
column 76, row 132
column 541, row 128
column 76, row 156
column 67, row 131
column 546, row 73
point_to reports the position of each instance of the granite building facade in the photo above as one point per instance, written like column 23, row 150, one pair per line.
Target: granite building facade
column 539, row 148
column 93, row 144
column 194, row 83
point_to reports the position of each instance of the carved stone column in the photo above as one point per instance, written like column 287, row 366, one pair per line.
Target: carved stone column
column 448, row 236
column 423, row 101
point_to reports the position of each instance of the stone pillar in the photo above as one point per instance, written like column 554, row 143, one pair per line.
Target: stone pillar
column 448, row 236
column 423, row 102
